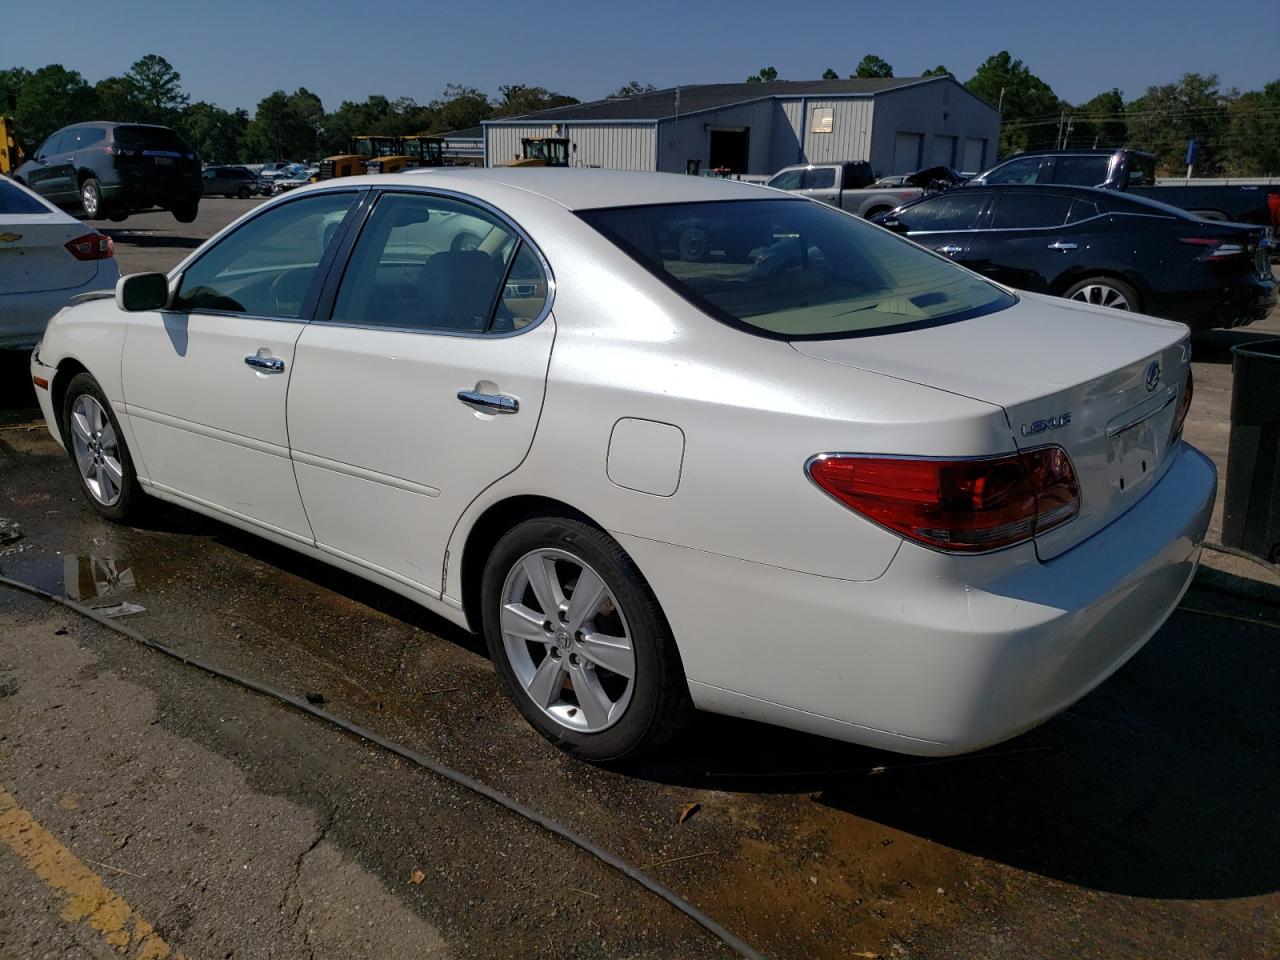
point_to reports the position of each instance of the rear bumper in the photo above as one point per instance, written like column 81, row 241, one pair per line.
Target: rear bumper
column 941, row 655
column 1235, row 306
column 151, row 193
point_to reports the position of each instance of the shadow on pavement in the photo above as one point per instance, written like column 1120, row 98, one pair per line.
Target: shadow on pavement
column 17, row 393
column 1214, row 346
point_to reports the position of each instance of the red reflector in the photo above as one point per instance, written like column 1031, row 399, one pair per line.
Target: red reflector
column 963, row 505
column 1184, row 405
column 92, row 246
column 40, row 382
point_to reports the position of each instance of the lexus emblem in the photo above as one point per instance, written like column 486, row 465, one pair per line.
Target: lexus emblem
column 1153, row 376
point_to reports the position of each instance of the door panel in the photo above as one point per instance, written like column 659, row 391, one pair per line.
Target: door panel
column 208, row 424
column 1029, row 242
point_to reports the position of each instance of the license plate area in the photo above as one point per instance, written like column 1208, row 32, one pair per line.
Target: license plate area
column 163, row 161
column 1137, row 443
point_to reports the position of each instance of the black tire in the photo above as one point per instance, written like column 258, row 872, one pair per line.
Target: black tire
column 185, row 212
column 659, row 706
column 695, row 245
column 117, row 216
column 875, row 212
column 244, row 193
column 1130, row 295
column 91, row 198
column 131, row 499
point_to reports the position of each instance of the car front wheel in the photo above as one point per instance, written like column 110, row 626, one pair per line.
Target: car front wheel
column 579, row 641
column 98, row 451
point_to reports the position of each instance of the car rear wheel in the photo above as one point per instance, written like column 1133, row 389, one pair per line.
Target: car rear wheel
column 579, row 641
column 244, row 193
column 91, row 198
column 98, row 451
column 1104, row 292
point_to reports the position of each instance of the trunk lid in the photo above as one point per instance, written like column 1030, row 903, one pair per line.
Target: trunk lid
column 34, row 257
column 1102, row 384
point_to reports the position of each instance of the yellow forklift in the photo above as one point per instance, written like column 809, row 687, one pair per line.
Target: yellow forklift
column 363, row 150
column 543, row 152
column 11, row 155
column 415, row 151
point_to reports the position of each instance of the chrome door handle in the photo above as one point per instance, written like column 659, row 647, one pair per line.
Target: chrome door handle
column 489, row 402
column 1063, row 245
column 266, row 364
column 949, row 249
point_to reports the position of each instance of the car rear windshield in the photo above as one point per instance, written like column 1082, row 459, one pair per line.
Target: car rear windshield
column 14, row 199
column 149, row 138
column 795, row 269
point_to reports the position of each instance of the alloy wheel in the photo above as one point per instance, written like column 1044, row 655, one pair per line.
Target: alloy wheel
column 1102, row 295
column 567, row 640
column 90, row 200
column 97, row 450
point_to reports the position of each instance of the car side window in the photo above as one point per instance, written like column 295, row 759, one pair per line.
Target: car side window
column 1082, row 210
column 1021, row 211
column 957, row 210
column 819, row 178
column 1026, row 170
column 787, row 180
column 1087, row 171
column 211, row 173
column 81, row 138
column 438, row 264
column 50, row 147
column 265, row 267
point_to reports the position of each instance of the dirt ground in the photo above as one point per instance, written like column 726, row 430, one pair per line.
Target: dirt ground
column 146, row 807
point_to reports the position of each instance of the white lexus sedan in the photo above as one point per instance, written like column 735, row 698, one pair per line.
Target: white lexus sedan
column 46, row 258
column 669, row 442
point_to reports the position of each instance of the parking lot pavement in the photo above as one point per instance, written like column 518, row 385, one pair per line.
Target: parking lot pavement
column 156, row 241
column 1140, row 823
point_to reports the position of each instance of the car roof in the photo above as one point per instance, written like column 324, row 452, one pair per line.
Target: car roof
column 1076, row 152
column 578, row 188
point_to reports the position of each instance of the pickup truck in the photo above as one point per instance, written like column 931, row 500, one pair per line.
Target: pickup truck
column 852, row 186
column 1133, row 171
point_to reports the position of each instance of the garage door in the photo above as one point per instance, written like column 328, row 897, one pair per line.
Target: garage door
column 975, row 155
column 906, row 152
column 944, row 152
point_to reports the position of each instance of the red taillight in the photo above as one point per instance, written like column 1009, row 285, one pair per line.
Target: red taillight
column 92, row 246
column 1184, row 405
column 962, row 505
column 1216, row 249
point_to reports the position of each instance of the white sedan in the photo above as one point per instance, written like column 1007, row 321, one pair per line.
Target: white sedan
column 46, row 258
column 669, row 442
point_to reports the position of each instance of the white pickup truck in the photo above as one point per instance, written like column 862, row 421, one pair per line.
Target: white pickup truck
column 853, row 187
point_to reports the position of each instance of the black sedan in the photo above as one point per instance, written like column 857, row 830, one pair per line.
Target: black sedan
column 1100, row 246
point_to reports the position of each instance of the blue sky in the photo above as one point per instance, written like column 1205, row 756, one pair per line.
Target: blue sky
column 236, row 56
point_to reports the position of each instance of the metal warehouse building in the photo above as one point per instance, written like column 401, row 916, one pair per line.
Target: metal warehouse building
column 900, row 124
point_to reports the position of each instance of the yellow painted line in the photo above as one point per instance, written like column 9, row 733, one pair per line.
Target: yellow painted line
column 86, row 899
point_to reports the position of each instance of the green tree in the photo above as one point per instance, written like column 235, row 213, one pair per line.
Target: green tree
column 766, row 75
column 518, row 99
column 53, row 97
column 283, row 128
column 11, row 83
column 1100, row 122
column 633, row 88
column 829, row 74
column 1252, row 140
column 1030, row 108
column 159, row 88
column 217, row 134
column 938, row 71
column 120, row 99
column 872, row 66
column 461, row 107
column 1164, row 118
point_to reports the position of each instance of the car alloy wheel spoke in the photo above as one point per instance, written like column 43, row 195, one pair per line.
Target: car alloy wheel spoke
column 588, row 594
column 542, row 579
column 612, row 653
column 592, row 699
column 80, row 426
column 548, row 679
column 111, row 467
column 107, row 490
column 521, row 623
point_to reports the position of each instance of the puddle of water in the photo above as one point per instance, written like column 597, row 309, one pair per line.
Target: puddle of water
column 83, row 578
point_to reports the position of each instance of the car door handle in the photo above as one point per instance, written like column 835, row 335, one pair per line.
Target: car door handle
column 950, row 249
column 265, row 364
column 489, row 402
column 1063, row 245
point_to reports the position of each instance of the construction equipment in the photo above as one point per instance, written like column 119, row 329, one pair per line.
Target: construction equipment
column 11, row 153
column 363, row 149
column 415, row 151
column 543, row 152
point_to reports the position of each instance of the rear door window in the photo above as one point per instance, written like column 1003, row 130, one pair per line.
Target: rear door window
column 1022, row 211
column 1088, row 171
column 958, row 210
column 1025, row 170
column 819, row 178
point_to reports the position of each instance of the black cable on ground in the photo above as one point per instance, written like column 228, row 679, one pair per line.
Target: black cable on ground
column 729, row 939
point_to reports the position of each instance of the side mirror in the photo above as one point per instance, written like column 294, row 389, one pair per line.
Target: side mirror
column 142, row 291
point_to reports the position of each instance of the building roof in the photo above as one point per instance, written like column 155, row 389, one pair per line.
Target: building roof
column 661, row 104
column 470, row 133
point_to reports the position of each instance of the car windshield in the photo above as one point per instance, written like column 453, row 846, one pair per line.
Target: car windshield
column 14, row 199
column 795, row 270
